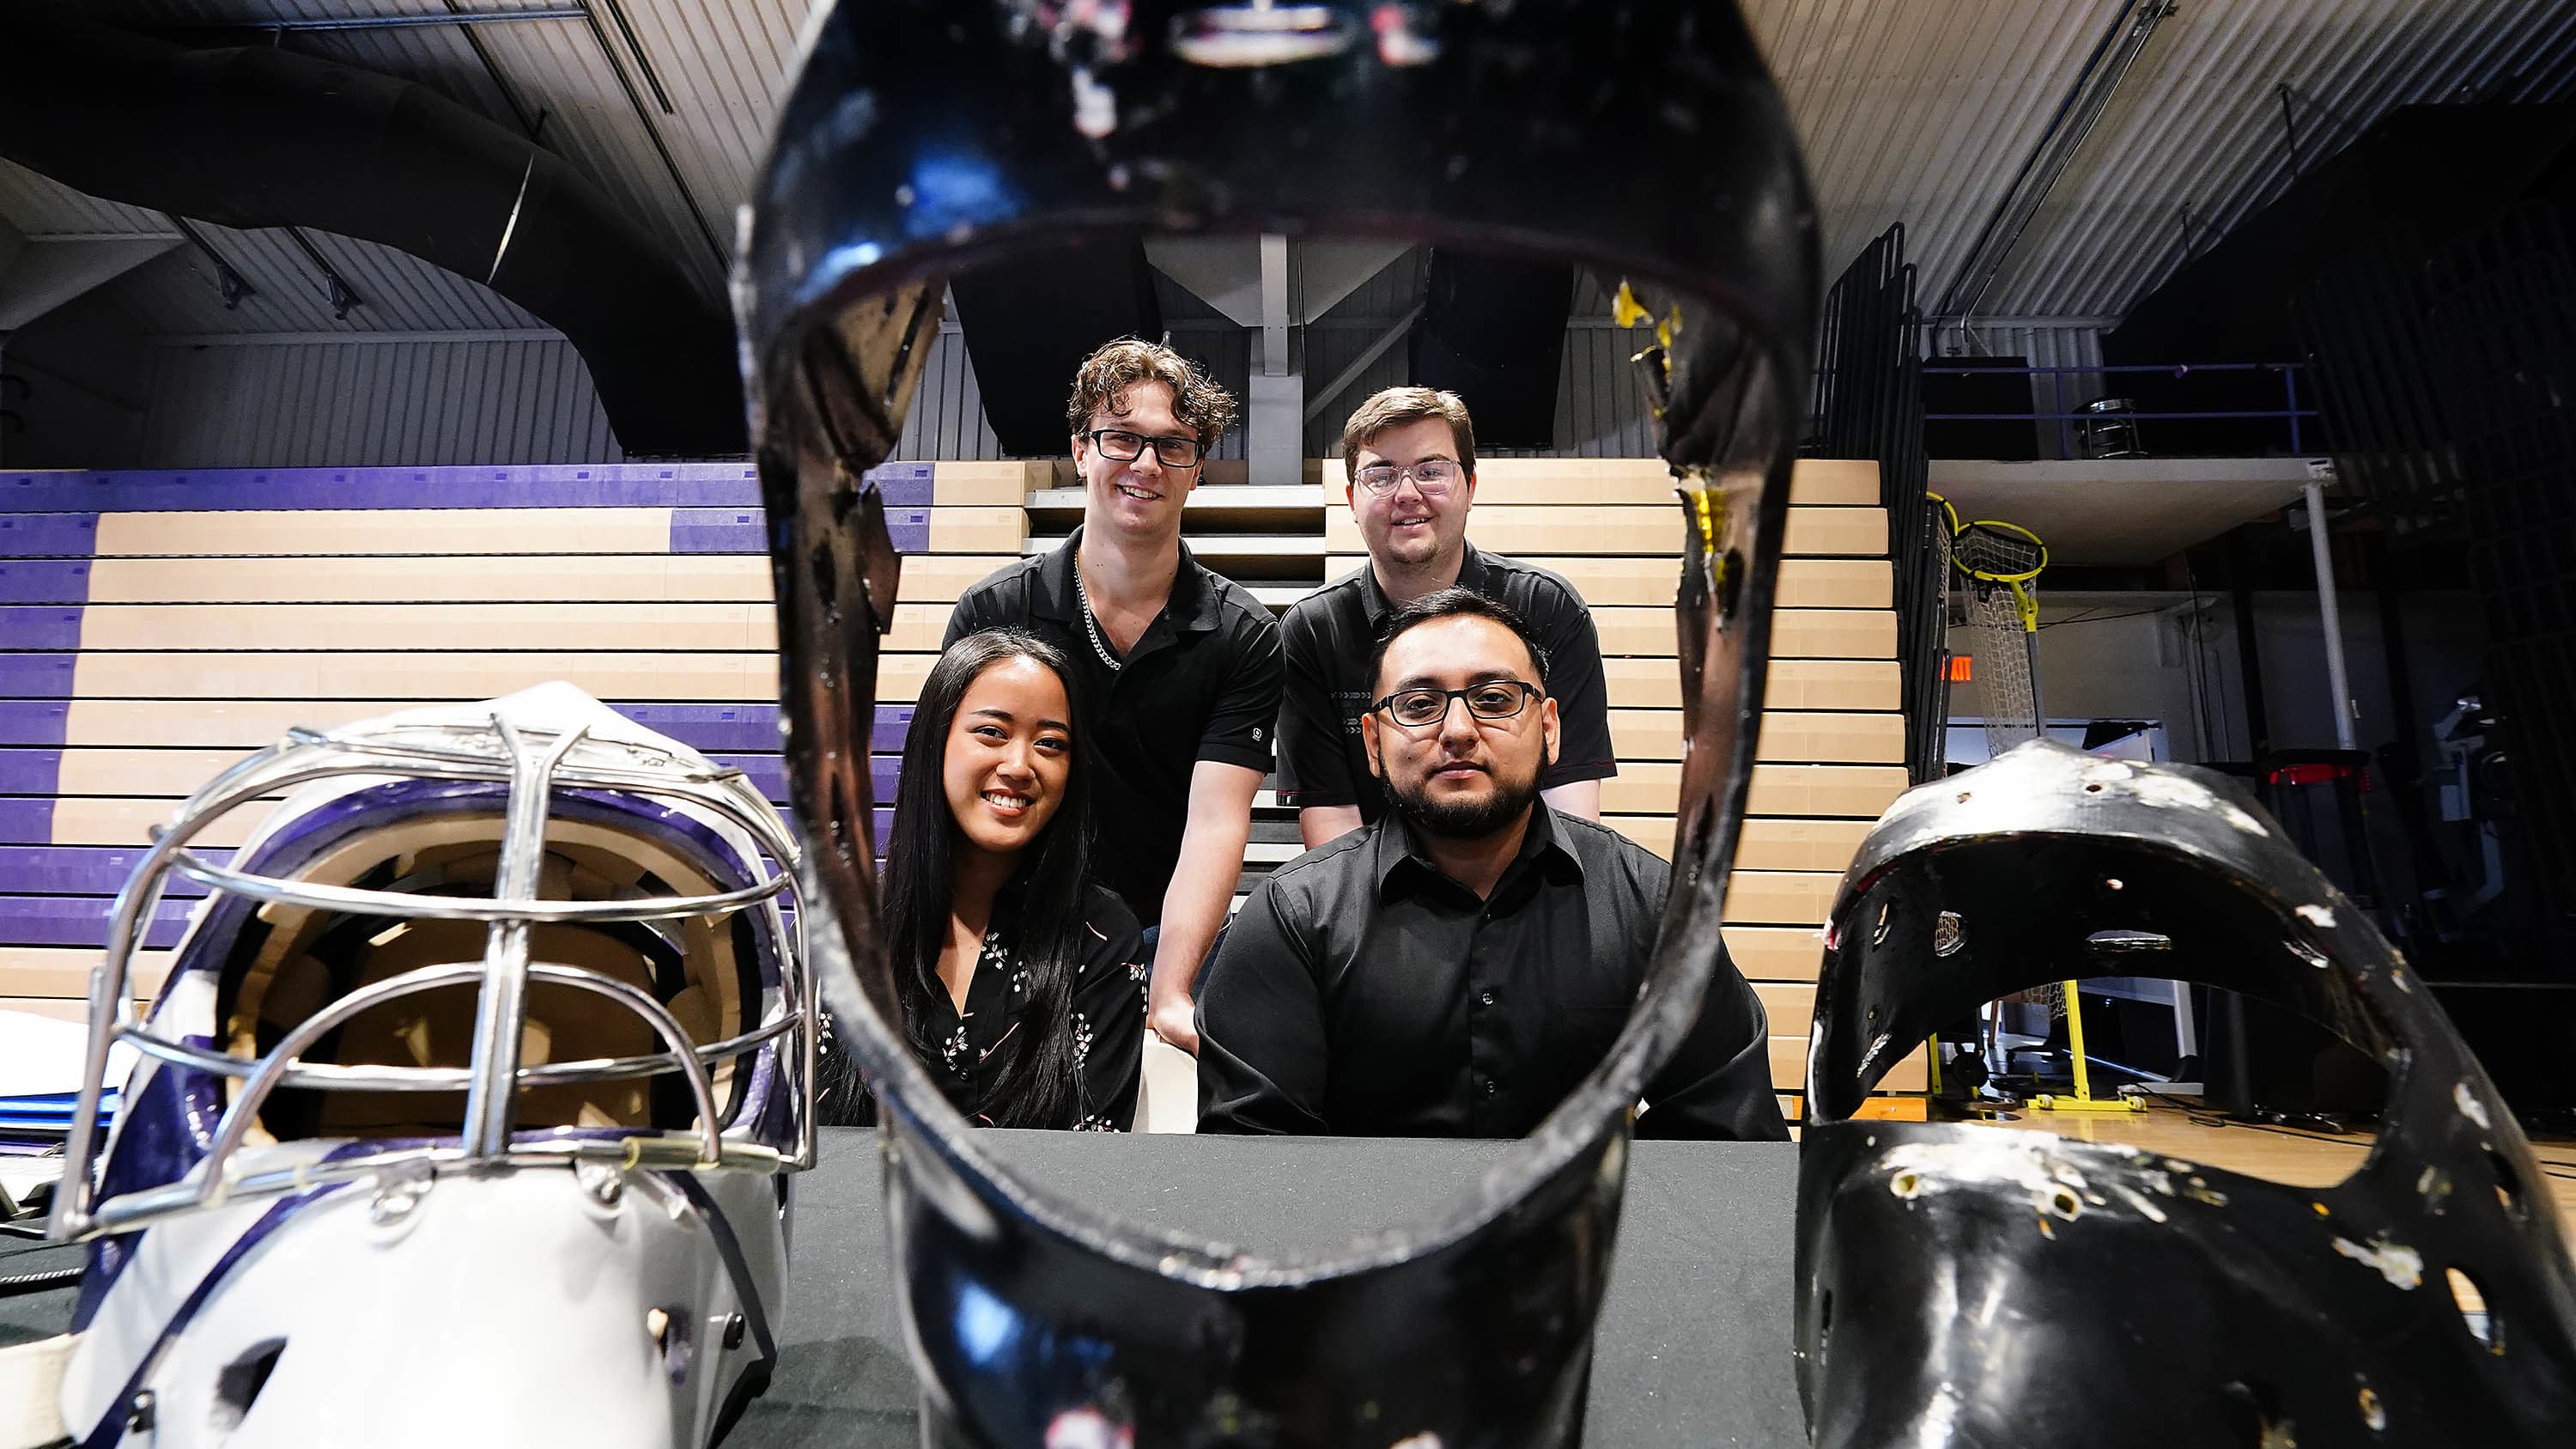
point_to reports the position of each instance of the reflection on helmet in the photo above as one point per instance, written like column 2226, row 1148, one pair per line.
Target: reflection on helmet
column 1964, row 1284
column 919, row 142
column 483, row 1059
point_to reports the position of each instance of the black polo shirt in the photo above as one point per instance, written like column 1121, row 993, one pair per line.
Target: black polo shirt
column 1360, row 992
column 1327, row 638
column 1202, row 683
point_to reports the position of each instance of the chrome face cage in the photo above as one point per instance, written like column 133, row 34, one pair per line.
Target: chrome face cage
column 533, row 763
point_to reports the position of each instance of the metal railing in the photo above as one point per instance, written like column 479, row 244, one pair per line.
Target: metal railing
column 2290, row 413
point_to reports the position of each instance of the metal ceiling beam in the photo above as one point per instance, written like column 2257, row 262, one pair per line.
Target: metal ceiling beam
column 2095, row 84
column 228, row 279
column 644, row 118
column 319, row 23
column 336, row 287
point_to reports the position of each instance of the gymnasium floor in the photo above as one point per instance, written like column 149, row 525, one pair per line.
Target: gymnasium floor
column 2277, row 1154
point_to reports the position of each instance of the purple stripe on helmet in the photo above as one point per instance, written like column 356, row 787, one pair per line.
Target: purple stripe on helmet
column 112, row 1429
column 162, row 1132
column 592, row 485
column 44, row 581
column 48, row 535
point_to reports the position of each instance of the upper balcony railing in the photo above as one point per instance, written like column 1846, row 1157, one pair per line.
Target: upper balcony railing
column 2142, row 410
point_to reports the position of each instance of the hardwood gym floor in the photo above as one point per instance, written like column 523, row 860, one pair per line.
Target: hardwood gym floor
column 2302, row 1159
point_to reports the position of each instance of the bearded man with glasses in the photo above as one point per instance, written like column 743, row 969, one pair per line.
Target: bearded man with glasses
column 1458, row 966
column 1410, row 456
column 1177, row 668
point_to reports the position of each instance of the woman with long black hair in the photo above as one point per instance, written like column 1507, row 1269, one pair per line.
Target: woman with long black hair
column 1022, row 982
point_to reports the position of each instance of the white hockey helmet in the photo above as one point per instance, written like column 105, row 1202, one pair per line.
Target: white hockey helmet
column 474, row 943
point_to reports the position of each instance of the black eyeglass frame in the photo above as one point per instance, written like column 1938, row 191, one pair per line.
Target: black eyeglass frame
column 1403, row 471
column 1198, row 450
column 1530, row 694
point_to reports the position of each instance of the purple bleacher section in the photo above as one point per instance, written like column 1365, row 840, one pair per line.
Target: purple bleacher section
column 29, row 819
column 740, row 530
column 82, row 921
column 41, row 626
column 604, row 485
column 48, row 535
column 44, row 581
column 58, row 895
column 29, row 772
column 33, row 721
column 733, row 728
column 36, row 676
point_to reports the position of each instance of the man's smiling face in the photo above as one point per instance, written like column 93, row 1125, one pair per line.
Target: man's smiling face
column 1140, row 498
column 1409, row 527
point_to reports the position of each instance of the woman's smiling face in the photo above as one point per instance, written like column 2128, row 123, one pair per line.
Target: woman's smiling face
column 1010, row 750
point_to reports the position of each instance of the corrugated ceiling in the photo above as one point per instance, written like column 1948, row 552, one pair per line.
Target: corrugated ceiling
column 1918, row 111
column 1922, row 111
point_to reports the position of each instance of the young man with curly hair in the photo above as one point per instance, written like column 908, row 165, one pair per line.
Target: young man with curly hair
column 1178, row 667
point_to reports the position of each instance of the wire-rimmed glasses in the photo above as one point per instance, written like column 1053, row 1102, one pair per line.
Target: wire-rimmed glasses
column 1436, row 477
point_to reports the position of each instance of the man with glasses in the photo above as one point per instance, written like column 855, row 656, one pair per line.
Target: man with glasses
column 1410, row 455
column 1179, row 667
column 1458, row 966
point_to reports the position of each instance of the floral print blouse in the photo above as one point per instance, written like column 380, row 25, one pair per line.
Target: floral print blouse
column 1108, row 1005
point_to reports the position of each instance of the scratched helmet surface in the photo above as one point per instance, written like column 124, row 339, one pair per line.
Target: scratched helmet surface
column 1642, row 140
column 1964, row 1284
column 482, row 1061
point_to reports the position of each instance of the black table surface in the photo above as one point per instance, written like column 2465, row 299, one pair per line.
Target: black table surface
column 1693, row 1346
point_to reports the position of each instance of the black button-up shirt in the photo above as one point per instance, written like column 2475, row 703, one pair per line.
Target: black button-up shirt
column 1202, row 683
column 1360, row 992
column 1326, row 640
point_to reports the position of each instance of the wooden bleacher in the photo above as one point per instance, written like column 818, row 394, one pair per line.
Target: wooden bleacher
column 156, row 626
column 1832, row 744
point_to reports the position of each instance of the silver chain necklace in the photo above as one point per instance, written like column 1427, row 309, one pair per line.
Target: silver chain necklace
column 1091, row 626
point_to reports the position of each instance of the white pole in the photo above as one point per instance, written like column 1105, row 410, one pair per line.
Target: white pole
column 2331, row 613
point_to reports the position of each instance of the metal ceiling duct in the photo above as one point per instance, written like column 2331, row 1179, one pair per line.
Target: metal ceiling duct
column 257, row 137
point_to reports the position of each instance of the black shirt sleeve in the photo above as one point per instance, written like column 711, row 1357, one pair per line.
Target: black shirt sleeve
column 966, row 618
column 1314, row 758
column 1718, row 1083
column 1109, row 1004
column 1239, row 728
column 1262, row 1050
column 1574, row 678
